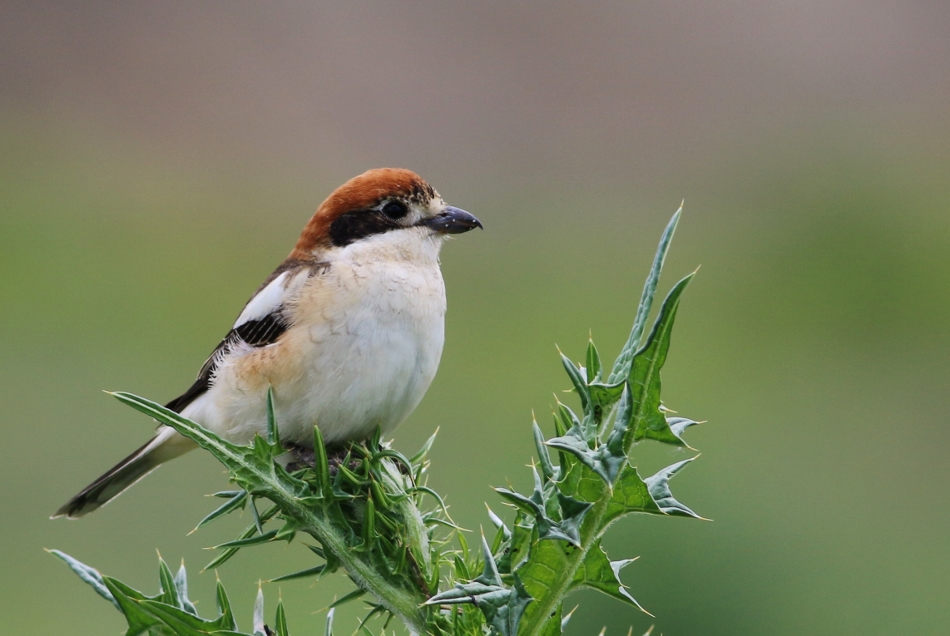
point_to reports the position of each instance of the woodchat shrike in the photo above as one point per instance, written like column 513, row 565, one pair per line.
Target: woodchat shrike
column 347, row 331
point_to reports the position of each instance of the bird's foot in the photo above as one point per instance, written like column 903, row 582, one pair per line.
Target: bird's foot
column 303, row 457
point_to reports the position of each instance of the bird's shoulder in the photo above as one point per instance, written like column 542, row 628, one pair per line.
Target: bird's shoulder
column 262, row 321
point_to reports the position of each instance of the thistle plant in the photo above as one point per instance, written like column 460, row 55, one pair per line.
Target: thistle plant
column 368, row 512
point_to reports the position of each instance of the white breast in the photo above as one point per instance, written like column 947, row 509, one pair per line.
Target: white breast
column 373, row 356
column 365, row 344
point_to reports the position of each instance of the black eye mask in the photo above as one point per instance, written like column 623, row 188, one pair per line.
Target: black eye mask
column 353, row 226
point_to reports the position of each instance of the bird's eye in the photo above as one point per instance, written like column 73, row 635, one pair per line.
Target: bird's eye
column 395, row 209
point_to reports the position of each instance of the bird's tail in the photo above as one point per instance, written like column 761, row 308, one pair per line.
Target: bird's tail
column 166, row 445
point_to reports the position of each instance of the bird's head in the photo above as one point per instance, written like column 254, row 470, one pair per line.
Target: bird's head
column 389, row 205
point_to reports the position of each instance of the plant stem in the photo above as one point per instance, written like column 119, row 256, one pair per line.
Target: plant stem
column 400, row 601
column 590, row 533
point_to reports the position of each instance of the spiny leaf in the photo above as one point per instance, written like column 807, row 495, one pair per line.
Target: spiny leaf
column 421, row 454
column 534, row 505
column 497, row 521
column 582, row 484
column 235, row 502
column 573, row 512
column 321, row 463
column 599, row 573
column 502, row 607
column 181, row 583
column 519, row 548
column 489, row 575
column 273, row 434
column 505, row 614
column 369, row 525
column 577, row 379
column 659, row 487
column 605, row 460
column 605, row 464
column 178, row 621
column 332, row 563
column 552, row 626
column 87, row 574
column 622, row 365
column 547, row 468
column 243, row 543
column 280, row 622
column 129, row 601
column 468, row 593
column 259, row 629
column 648, row 421
column 680, row 424
column 287, row 532
column 255, row 513
column 302, row 574
column 631, row 494
column 603, row 395
column 152, row 615
column 227, row 494
column 225, row 615
column 329, row 628
column 541, row 571
column 569, row 419
column 617, row 439
column 169, row 591
column 352, row 596
column 567, row 619
column 593, row 363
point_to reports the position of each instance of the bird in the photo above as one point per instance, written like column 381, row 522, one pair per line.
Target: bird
column 347, row 332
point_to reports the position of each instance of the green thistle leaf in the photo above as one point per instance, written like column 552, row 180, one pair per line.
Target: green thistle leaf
column 181, row 583
column 544, row 458
column 659, row 486
column 651, row 495
column 259, row 628
column 225, row 616
column 540, row 574
column 234, row 503
column 280, row 622
column 553, row 626
column 631, row 494
column 87, row 574
column 534, row 505
column 648, row 420
column 248, row 533
column 273, row 434
column 603, row 396
column 680, row 424
column 578, row 379
column 594, row 369
column 621, row 368
column 343, row 600
column 302, row 574
column 169, row 590
column 600, row 573
column 267, row 537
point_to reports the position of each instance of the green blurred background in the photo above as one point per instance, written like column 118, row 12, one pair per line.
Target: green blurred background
column 158, row 159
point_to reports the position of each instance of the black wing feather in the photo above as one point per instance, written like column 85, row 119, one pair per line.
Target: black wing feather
column 256, row 333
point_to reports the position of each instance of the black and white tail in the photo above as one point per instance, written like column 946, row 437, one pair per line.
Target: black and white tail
column 166, row 445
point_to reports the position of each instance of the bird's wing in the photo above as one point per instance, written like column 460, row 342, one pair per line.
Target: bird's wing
column 262, row 322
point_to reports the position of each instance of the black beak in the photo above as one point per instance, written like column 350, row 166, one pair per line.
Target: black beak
column 453, row 221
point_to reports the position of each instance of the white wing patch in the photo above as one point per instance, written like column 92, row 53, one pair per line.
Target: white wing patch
column 272, row 297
